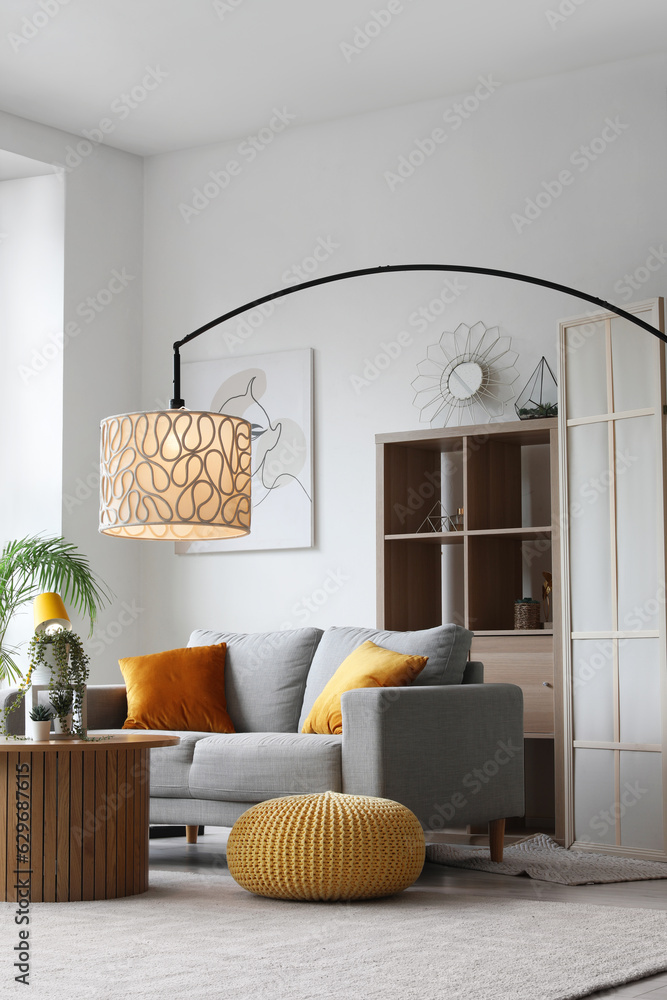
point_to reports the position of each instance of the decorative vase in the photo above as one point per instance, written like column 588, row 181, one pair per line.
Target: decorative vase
column 527, row 614
column 38, row 729
column 59, row 724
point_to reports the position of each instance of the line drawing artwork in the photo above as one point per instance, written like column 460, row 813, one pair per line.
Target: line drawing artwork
column 266, row 438
column 273, row 392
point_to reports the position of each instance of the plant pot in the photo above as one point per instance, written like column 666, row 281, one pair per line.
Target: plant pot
column 38, row 729
column 59, row 727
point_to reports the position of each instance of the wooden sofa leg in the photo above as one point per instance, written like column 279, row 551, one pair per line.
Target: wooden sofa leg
column 191, row 834
column 496, row 835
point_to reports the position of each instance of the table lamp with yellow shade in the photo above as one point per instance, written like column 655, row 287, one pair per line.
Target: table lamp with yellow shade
column 50, row 613
column 50, row 616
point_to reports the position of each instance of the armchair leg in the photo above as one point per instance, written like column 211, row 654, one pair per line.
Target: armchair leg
column 496, row 838
column 191, row 834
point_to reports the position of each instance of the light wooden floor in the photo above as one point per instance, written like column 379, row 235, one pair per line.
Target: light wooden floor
column 208, row 856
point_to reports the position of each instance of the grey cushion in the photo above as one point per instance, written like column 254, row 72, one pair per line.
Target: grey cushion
column 170, row 766
column 265, row 676
column 249, row 767
column 446, row 647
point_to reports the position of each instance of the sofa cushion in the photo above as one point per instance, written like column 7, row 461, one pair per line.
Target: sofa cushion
column 170, row 766
column 446, row 647
column 367, row 666
column 265, row 676
column 249, row 767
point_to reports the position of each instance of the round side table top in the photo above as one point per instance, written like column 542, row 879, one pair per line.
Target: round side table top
column 134, row 739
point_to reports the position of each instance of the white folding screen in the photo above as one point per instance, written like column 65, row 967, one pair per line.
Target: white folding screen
column 612, row 453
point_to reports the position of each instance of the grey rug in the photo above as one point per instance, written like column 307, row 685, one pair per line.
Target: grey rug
column 540, row 857
column 203, row 936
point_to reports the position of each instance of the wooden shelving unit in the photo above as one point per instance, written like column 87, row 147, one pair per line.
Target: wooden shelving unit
column 505, row 477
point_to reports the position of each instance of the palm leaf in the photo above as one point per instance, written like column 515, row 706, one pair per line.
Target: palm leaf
column 9, row 668
column 34, row 564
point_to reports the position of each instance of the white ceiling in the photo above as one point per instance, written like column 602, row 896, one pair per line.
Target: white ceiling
column 227, row 63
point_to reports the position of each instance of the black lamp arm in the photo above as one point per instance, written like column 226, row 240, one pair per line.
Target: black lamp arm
column 177, row 402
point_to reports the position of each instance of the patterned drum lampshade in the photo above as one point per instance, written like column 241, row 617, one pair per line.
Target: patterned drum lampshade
column 175, row 474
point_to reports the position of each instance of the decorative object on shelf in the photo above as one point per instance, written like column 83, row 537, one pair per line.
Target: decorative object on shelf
column 161, row 459
column 539, row 396
column 458, row 520
column 527, row 614
column 547, row 588
column 34, row 563
column 473, row 367
column 274, row 393
column 38, row 723
column 437, row 520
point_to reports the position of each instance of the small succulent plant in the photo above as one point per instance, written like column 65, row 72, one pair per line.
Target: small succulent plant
column 41, row 713
column 62, row 699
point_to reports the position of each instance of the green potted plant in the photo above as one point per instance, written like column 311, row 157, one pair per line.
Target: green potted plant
column 34, row 564
column 62, row 703
column 38, row 725
column 63, row 653
column 62, row 657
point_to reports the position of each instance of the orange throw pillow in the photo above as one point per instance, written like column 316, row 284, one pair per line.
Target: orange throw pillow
column 182, row 689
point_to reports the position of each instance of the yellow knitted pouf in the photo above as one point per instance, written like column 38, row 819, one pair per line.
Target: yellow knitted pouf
column 326, row 846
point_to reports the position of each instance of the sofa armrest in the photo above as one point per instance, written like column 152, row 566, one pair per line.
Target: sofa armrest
column 107, row 706
column 473, row 673
column 16, row 719
column 453, row 754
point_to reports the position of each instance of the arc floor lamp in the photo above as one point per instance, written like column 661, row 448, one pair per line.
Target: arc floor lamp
column 182, row 475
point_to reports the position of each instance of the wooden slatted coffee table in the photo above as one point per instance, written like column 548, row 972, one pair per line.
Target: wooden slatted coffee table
column 74, row 817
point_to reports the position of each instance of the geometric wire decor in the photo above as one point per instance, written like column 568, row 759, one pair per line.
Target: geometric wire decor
column 471, row 368
column 437, row 520
column 175, row 474
column 539, row 397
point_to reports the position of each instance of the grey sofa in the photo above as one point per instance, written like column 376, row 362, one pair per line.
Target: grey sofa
column 449, row 746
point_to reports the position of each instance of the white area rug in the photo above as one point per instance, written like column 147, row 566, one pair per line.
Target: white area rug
column 540, row 857
column 202, row 936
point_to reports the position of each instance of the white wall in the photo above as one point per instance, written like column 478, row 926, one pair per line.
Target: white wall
column 101, row 358
column 328, row 182
column 32, row 241
column 32, row 247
